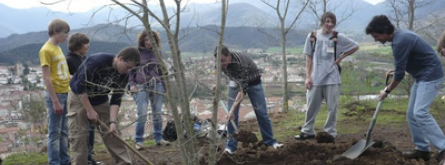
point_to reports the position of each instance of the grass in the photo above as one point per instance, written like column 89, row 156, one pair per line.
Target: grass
column 375, row 48
column 392, row 114
column 293, row 50
column 365, row 47
column 25, row 159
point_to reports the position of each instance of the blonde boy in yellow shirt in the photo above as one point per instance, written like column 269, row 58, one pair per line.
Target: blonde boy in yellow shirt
column 56, row 79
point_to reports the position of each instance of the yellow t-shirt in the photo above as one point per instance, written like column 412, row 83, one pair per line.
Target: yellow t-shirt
column 52, row 56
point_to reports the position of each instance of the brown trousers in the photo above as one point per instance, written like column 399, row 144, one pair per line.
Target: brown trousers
column 78, row 125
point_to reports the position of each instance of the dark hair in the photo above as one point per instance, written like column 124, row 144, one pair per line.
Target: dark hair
column 130, row 54
column 77, row 40
column 380, row 24
column 143, row 34
column 224, row 50
column 328, row 15
column 57, row 26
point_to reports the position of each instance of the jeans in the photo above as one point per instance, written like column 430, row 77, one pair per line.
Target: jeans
column 152, row 94
column 57, row 132
column 258, row 101
column 423, row 127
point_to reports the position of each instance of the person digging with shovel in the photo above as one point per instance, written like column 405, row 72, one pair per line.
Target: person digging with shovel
column 415, row 56
column 241, row 69
column 99, row 76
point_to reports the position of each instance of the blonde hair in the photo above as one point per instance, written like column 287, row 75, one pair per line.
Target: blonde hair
column 57, row 26
column 441, row 42
column 143, row 34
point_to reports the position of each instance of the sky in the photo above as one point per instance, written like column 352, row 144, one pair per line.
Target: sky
column 85, row 5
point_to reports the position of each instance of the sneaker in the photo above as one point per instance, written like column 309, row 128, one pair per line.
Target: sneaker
column 416, row 154
column 162, row 142
column 229, row 151
column 304, row 136
column 441, row 158
column 139, row 146
column 93, row 162
column 277, row 145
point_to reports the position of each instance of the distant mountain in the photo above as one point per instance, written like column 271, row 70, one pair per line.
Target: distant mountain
column 109, row 38
column 241, row 13
column 108, row 33
column 30, row 53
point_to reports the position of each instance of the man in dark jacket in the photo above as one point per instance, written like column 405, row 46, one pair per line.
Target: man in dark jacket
column 245, row 79
column 97, row 77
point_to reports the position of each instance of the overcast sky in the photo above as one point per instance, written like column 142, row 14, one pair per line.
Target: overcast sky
column 85, row 5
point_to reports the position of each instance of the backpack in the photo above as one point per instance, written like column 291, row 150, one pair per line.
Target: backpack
column 169, row 132
column 334, row 38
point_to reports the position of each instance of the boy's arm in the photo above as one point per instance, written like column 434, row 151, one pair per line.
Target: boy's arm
column 114, row 110
column 57, row 107
column 309, row 62
column 91, row 113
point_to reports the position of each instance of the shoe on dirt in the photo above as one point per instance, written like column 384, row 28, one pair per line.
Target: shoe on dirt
column 304, row 136
column 277, row 145
column 162, row 142
column 417, row 154
column 93, row 162
column 139, row 146
column 441, row 157
column 229, row 151
column 324, row 137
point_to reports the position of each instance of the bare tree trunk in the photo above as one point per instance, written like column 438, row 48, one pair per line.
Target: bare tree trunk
column 187, row 143
column 189, row 140
column 411, row 14
column 284, row 30
column 214, row 140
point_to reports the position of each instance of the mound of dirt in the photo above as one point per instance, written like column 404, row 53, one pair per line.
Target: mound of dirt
column 324, row 137
column 312, row 153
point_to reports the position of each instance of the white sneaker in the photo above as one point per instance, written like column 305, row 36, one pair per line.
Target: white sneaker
column 139, row 146
column 163, row 142
column 277, row 145
column 228, row 151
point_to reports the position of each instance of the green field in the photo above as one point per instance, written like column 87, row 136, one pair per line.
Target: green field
column 293, row 50
column 365, row 47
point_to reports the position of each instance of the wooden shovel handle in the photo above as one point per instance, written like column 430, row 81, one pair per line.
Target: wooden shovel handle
column 125, row 143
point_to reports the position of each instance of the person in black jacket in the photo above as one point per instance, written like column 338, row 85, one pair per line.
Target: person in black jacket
column 245, row 79
column 79, row 44
column 96, row 91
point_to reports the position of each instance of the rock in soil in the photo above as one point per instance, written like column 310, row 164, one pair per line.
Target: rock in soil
column 324, row 137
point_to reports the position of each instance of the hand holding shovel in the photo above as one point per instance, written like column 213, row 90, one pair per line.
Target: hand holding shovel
column 114, row 133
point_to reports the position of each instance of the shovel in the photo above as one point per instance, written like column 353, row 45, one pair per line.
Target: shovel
column 223, row 104
column 125, row 143
column 362, row 145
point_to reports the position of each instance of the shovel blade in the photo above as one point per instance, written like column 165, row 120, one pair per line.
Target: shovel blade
column 357, row 149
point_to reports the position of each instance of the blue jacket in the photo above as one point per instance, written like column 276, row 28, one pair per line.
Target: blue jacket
column 413, row 55
column 96, row 77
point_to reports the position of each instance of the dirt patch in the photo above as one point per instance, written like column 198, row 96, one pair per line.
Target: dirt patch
column 313, row 153
column 308, row 152
column 390, row 143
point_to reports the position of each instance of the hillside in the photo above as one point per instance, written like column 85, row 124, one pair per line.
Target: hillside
column 110, row 38
column 30, row 53
column 241, row 13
